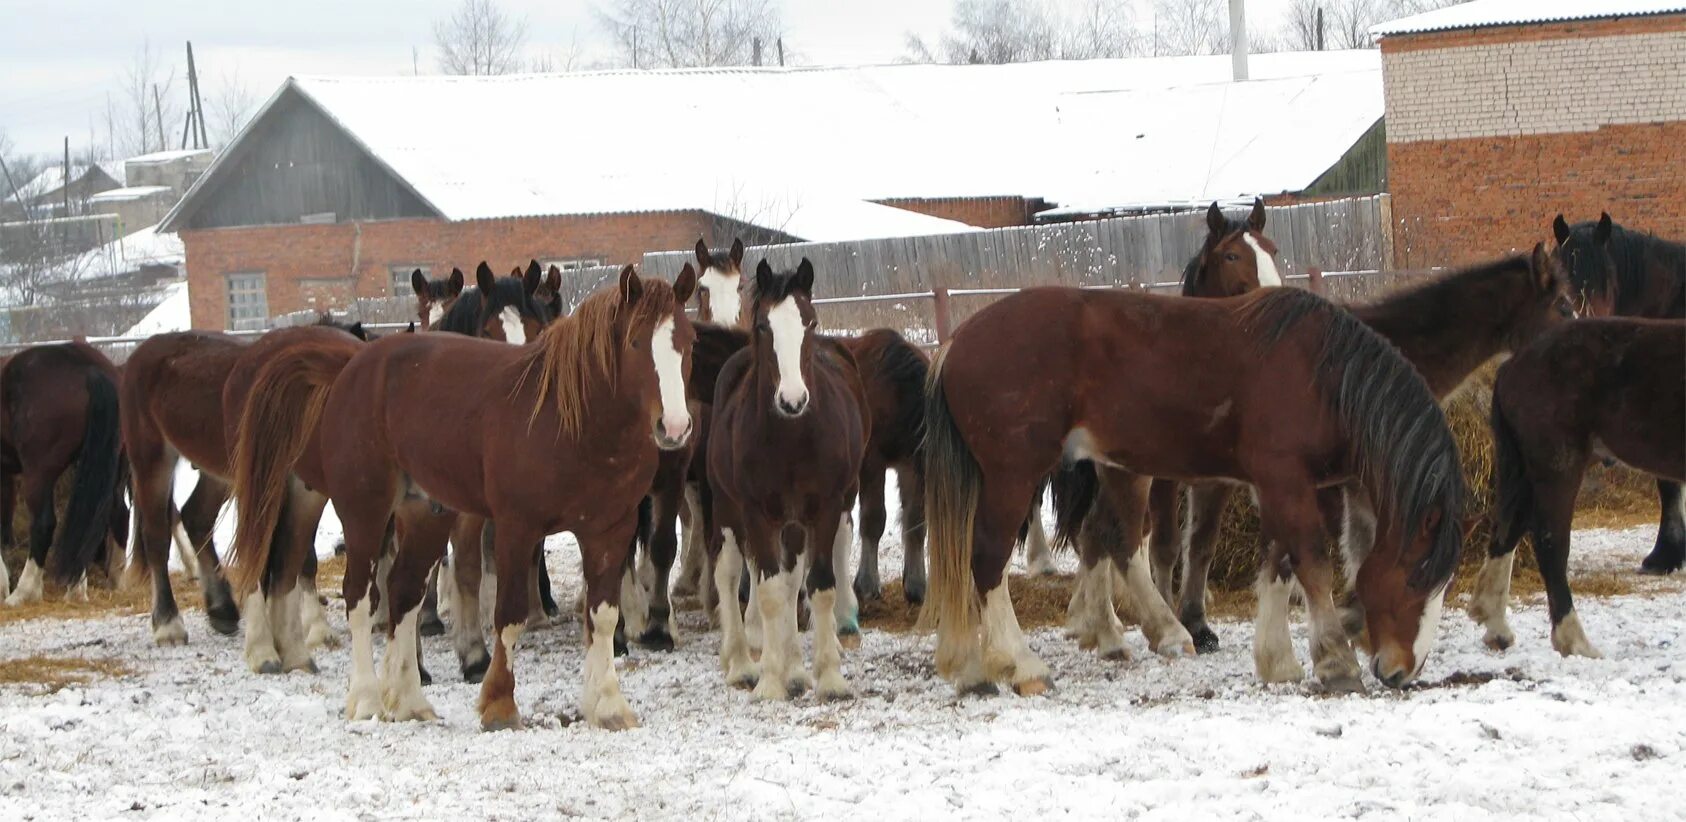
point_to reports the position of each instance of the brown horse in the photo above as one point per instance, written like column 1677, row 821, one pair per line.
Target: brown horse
column 1619, row 272
column 434, row 297
column 1607, row 388
column 1107, row 376
column 787, row 438
column 58, row 406
column 560, row 435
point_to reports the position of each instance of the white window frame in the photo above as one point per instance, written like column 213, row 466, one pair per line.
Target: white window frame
column 248, row 307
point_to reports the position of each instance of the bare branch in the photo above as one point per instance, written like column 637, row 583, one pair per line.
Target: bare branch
column 689, row 33
column 480, row 39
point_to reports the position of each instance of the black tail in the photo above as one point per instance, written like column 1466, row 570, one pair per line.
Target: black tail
column 1074, row 486
column 1513, row 495
column 88, row 517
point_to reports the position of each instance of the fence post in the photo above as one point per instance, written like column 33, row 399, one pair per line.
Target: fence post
column 1314, row 280
column 939, row 299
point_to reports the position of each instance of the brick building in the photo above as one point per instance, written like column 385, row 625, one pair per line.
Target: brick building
column 1503, row 113
column 341, row 187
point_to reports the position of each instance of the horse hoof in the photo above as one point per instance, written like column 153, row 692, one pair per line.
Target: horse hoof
column 362, row 706
column 984, row 688
column 475, row 671
column 432, row 626
column 308, row 666
column 1119, row 654
column 868, row 590
column 913, row 590
column 1657, row 564
column 269, row 666
column 1176, row 650
column 834, row 692
column 426, row 678
column 617, row 722
column 170, row 633
column 1500, row 642
column 1034, row 687
column 224, row 619
column 1342, row 684
column 1205, row 640
column 509, row 723
column 743, row 681
column 850, row 639
column 620, row 647
column 657, row 639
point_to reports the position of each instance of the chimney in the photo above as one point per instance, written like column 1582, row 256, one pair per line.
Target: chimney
column 1238, row 38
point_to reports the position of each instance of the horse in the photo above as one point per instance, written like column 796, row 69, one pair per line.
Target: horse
column 786, row 443
column 434, row 297
column 1105, row 376
column 171, row 407
column 559, row 435
column 1607, row 388
column 1235, row 258
column 1627, row 273
column 59, row 407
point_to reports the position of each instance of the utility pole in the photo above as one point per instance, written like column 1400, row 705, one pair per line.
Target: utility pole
column 1319, row 28
column 1238, row 38
column 755, row 52
column 781, row 52
column 196, row 104
column 158, row 116
column 67, row 175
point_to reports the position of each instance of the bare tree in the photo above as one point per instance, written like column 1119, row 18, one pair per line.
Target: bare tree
column 479, row 38
column 1016, row 31
column 1300, row 24
column 228, row 108
column 1190, row 27
column 689, row 33
column 1346, row 23
column 140, row 117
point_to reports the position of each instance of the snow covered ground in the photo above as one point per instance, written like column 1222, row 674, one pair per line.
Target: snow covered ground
column 192, row 734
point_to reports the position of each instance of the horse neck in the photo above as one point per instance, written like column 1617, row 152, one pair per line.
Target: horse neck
column 1445, row 329
column 1639, row 257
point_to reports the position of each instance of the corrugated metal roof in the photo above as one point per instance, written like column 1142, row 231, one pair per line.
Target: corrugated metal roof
column 1484, row 13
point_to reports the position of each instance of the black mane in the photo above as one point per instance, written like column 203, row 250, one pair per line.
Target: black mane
column 468, row 314
column 1191, row 271
column 1631, row 254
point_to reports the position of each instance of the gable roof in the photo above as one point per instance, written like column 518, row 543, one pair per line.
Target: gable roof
column 51, row 180
column 768, row 144
column 1484, row 13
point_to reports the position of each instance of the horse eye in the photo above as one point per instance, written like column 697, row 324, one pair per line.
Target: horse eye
column 1230, row 256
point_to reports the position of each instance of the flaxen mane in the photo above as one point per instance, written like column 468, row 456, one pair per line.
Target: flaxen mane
column 582, row 346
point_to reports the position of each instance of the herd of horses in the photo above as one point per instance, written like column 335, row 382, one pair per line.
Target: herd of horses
column 449, row 454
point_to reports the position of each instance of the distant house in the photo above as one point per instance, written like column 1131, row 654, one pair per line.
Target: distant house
column 47, row 194
column 1502, row 113
column 174, row 170
column 341, row 187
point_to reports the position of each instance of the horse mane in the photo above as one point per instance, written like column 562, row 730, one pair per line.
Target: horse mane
column 1629, row 249
column 463, row 317
column 1433, row 302
column 466, row 315
column 1399, row 439
column 576, row 349
column 1191, row 271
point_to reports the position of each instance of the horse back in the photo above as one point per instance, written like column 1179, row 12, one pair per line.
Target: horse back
column 44, row 391
column 171, row 392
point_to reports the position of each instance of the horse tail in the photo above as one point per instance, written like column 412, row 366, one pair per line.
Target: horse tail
column 952, row 480
column 1513, row 493
column 88, row 515
column 1074, row 487
column 281, row 413
column 907, row 370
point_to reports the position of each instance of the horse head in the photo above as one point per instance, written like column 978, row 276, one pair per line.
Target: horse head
column 1236, row 258
column 655, row 352
column 549, row 292
column 435, row 297
column 1584, row 252
column 720, row 286
column 784, row 322
column 507, row 310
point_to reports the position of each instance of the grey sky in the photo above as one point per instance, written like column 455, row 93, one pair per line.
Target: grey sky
column 60, row 58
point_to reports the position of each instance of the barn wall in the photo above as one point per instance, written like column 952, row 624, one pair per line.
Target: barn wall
column 328, row 266
column 1494, row 131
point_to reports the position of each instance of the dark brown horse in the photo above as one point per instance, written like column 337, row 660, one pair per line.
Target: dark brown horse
column 1105, row 376
column 58, row 407
column 1624, row 273
column 1602, row 388
column 787, row 438
column 558, row 436
column 434, row 297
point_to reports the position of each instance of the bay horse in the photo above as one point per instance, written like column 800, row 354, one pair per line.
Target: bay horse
column 1607, row 388
column 435, row 296
column 1235, row 258
column 1058, row 372
column 1625, row 273
column 788, row 436
column 561, row 435
column 58, row 407
column 172, row 406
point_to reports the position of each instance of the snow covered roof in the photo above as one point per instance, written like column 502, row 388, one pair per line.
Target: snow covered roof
column 119, row 195
column 1481, row 13
column 173, row 314
column 168, row 156
column 734, row 141
column 51, row 179
column 131, row 253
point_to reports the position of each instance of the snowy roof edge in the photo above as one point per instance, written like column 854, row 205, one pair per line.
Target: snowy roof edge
column 1440, row 20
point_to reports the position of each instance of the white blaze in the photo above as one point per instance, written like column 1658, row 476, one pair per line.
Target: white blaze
column 514, row 332
column 670, row 378
column 725, row 303
column 1267, row 265
column 1428, row 627
column 788, row 333
column 435, row 313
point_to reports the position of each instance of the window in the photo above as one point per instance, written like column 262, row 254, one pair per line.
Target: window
column 571, row 265
column 248, row 302
column 401, row 278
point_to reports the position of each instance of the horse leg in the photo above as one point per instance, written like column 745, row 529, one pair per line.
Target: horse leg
column 910, row 485
column 602, row 558
column 1127, row 497
column 425, row 535
column 513, row 557
column 1491, row 597
column 661, row 629
column 430, row 624
column 1349, row 512
column 745, row 595
column 740, row 670
column 832, row 616
column 1670, row 551
column 367, row 530
column 1299, row 522
column 317, row 632
column 8, row 500
column 1006, row 655
column 867, row 585
column 1206, row 504
column 199, row 518
column 1166, row 546
column 467, row 633
column 692, row 579
column 774, row 596
column 537, row 581
column 1554, row 511
column 1096, row 620
column 153, row 477
column 185, row 552
column 846, row 609
column 547, row 598
column 1039, row 560
column 296, row 614
column 1273, row 649
column 38, row 491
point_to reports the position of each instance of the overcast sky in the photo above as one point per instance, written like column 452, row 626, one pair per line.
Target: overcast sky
column 60, row 58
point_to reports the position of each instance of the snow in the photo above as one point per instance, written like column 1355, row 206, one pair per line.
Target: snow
column 193, row 735
column 51, row 179
column 1507, row 12
column 752, row 142
column 173, row 314
column 148, row 246
column 123, row 195
column 168, row 156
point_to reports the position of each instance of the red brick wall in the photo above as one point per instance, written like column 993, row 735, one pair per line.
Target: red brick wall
column 983, row 212
column 1460, row 201
column 361, row 253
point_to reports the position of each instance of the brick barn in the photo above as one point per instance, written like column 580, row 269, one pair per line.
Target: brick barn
column 1502, row 113
column 340, row 187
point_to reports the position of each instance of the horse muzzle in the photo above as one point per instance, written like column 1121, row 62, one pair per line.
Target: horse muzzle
column 791, row 406
column 673, row 432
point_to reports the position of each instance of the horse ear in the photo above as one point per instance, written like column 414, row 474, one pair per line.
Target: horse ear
column 412, row 328
column 1601, row 234
column 737, row 253
column 1215, row 221
column 764, row 278
column 1256, row 220
column 531, row 280
column 703, row 258
column 685, row 285
column 553, row 280
column 484, row 279
column 631, row 287
column 456, row 282
column 357, row 331
column 418, row 283
column 1544, row 277
column 1560, row 229
column 805, row 277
